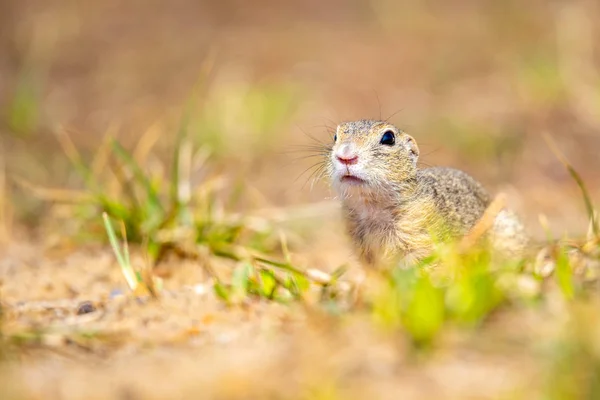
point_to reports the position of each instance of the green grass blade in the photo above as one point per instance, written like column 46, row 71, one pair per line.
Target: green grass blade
column 338, row 273
column 126, row 267
column 579, row 181
column 183, row 130
column 564, row 273
column 175, row 172
column 125, row 156
column 112, row 238
column 222, row 292
column 125, row 245
column 239, row 281
column 280, row 265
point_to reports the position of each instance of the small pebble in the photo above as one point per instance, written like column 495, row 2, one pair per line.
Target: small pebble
column 85, row 308
column 200, row 289
column 116, row 293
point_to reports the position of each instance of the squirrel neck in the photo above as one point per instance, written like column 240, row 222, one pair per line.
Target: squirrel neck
column 380, row 217
column 390, row 197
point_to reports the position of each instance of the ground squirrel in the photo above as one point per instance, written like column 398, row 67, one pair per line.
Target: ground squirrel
column 392, row 208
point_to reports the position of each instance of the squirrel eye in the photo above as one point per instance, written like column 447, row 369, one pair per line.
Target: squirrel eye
column 388, row 138
column 335, row 137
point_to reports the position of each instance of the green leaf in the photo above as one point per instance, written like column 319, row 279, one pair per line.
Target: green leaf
column 387, row 307
column 296, row 284
column 222, row 292
column 280, row 265
column 425, row 312
column 268, row 283
column 473, row 294
column 564, row 274
column 239, row 281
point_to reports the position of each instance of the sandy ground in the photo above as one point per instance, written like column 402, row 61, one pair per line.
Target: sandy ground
column 190, row 345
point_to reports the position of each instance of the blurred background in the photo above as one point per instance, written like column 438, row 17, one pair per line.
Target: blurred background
column 476, row 83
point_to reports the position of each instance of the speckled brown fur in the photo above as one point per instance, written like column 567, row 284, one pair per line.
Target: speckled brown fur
column 393, row 209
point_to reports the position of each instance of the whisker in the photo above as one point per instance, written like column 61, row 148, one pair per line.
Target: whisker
column 394, row 114
column 318, row 165
column 323, row 155
column 328, row 128
column 316, row 174
column 309, row 157
column 306, row 151
column 322, row 174
column 431, row 152
column 310, row 147
column 331, row 121
column 319, row 152
column 314, row 139
column 378, row 102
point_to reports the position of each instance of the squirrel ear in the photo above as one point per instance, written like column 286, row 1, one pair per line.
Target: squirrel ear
column 412, row 147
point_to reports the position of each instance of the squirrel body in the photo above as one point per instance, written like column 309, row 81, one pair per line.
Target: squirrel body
column 394, row 209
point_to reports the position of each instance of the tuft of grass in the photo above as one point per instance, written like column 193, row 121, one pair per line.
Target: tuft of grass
column 463, row 289
column 462, row 284
column 167, row 218
column 140, row 282
column 164, row 212
column 266, row 278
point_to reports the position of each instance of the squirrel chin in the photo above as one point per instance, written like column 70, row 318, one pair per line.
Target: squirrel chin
column 360, row 193
column 352, row 180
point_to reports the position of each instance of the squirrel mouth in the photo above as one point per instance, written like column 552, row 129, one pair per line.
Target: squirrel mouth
column 352, row 180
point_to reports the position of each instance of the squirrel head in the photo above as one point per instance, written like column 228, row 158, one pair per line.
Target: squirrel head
column 371, row 156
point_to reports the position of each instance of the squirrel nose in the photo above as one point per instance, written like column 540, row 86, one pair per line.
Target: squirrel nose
column 347, row 154
column 347, row 159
